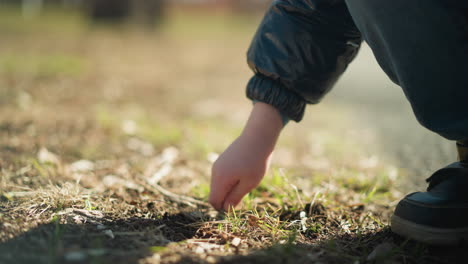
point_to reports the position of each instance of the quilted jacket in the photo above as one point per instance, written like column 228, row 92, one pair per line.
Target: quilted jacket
column 299, row 51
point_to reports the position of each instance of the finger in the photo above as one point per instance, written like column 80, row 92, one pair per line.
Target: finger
column 235, row 196
column 220, row 187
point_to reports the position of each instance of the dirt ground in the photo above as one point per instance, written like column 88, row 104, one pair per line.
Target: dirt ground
column 107, row 136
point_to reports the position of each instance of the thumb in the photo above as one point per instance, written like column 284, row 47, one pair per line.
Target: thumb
column 236, row 195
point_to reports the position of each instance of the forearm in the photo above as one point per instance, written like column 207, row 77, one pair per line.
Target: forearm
column 263, row 127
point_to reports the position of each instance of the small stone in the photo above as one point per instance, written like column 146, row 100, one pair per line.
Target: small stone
column 109, row 233
column 236, row 242
column 380, row 251
column 302, row 214
column 199, row 250
column 129, row 127
column 210, row 259
column 101, row 227
column 156, row 257
column 45, row 156
column 75, row 256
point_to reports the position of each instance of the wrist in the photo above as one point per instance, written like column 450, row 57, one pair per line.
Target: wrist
column 284, row 118
column 265, row 117
column 263, row 127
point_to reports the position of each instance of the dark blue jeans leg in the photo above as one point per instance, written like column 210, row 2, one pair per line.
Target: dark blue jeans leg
column 422, row 45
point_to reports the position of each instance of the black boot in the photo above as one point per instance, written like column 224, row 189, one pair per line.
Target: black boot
column 440, row 215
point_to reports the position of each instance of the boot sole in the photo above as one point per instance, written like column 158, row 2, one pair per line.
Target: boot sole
column 428, row 235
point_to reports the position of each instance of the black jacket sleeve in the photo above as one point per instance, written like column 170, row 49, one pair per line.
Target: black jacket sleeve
column 299, row 51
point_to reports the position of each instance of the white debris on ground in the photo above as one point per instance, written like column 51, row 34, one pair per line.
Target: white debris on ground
column 140, row 146
column 82, row 166
column 114, row 181
column 129, row 127
column 161, row 165
column 212, row 157
column 45, row 156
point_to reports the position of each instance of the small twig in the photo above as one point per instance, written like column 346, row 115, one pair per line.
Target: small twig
column 18, row 187
column 45, row 209
column 313, row 202
column 200, row 240
column 153, row 176
column 129, row 233
column 21, row 194
column 182, row 199
column 297, row 194
column 217, row 222
column 161, row 166
column 103, row 234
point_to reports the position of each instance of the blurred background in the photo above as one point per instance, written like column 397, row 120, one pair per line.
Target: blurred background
column 83, row 76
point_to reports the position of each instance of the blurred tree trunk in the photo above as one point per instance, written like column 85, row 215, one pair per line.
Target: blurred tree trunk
column 109, row 10
column 144, row 12
column 148, row 12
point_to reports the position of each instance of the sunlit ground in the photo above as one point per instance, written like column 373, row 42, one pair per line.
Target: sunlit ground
column 107, row 136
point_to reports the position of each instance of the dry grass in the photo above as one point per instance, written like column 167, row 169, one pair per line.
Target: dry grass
column 107, row 138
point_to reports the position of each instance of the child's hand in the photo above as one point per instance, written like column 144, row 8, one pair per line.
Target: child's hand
column 238, row 170
column 241, row 167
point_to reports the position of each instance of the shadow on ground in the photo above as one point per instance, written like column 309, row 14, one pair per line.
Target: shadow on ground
column 136, row 239
column 96, row 239
column 379, row 247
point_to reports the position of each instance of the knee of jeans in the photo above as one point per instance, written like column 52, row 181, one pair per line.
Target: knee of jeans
column 428, row 119
column 446, row 124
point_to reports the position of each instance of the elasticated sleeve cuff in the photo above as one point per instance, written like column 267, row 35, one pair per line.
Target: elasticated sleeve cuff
column 271, row 92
